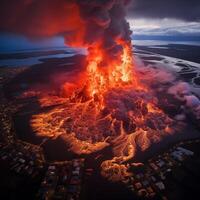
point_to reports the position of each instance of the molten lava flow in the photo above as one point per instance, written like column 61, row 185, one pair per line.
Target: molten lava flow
column 112, row 109
column 128, row 121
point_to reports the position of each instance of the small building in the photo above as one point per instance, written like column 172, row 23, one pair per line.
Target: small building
column 160, row 185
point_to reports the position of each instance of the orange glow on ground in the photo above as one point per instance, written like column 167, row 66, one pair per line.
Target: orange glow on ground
column 111, row 108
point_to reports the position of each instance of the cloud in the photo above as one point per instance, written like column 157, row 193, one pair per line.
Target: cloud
column 167, row 27
column 188, row 10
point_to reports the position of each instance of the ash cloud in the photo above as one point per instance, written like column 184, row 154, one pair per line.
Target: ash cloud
column 179, row 9
column 81, row 22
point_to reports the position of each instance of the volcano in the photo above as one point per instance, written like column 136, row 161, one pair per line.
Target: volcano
column 108, row 107
column 108, row 103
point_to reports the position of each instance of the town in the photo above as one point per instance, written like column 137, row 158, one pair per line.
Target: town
column 163, row 176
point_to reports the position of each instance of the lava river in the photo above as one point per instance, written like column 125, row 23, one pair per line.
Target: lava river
column 112, row 108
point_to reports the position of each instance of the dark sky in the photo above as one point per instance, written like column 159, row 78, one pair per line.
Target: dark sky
column 188, row 10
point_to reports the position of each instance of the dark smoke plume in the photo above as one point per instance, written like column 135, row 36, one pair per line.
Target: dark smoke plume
column 82, row 22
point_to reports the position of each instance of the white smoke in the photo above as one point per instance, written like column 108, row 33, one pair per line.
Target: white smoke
column 183, row 92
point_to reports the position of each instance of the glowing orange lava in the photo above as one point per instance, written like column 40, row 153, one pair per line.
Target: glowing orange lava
column 105, row 74
column 112, row 109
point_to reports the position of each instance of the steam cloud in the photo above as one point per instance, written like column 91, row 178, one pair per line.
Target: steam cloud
column 182, row 91
column 81, row 22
